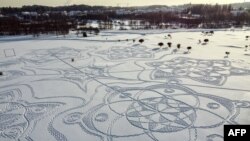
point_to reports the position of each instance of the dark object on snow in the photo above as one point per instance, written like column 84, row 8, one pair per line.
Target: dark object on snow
column 133, row 40
column 178, row 46
column 160, row 44
column 119, row 40
column 227, row 53
column 169, row 44
column 206, row 40
column 141, row 41
column 169, row 36
column 72, row 60
column 1, row 73
column 189, row 48
column 127, row 40
column 84, row 34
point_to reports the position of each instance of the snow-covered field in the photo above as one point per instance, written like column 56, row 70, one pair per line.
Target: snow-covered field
column 123, row 91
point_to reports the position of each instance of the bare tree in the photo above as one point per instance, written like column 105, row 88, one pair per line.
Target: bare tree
column 189, row 48
column 227, row 53
column 179, row 46
column 169, row 44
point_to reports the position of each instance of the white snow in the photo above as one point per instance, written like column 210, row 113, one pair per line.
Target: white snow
column 124, row 90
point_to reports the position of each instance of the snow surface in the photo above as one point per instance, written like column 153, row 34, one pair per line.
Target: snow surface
column 123, row 90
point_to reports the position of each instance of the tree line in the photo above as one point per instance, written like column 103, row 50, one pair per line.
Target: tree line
column 13, row 22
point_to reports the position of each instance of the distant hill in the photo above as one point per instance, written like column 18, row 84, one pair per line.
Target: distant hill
column 82, row 7
column 234, row 5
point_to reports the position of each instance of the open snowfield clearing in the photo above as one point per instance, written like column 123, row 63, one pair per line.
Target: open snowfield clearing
column 102, row 89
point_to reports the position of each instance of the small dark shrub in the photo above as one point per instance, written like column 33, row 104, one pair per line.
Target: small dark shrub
column 160, row 44
column 169, row 44
column 178, row 46
column 189, row 48
column 227, row 53
column 206, row 40
column 141, row 41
